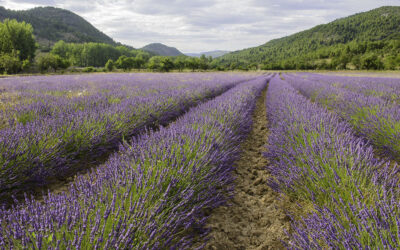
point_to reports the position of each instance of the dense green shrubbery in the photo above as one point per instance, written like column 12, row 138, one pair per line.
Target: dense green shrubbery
column 95, row 54
column 50, row 61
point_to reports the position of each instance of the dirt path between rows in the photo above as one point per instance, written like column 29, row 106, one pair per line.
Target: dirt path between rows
column 254, row 219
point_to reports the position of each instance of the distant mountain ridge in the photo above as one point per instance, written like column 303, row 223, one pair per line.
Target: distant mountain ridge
column 53, row 24
column 213, row 54
column 378, row 24
column 162, row 50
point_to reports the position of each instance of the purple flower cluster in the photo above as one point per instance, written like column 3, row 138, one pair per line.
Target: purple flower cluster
column 349, row 198
column 372, row 117
column 50, row 124
column 149, row 195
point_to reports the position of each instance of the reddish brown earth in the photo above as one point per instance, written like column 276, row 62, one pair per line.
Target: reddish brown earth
column 255, row 218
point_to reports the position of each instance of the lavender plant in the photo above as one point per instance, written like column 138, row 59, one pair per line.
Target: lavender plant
column 372, row 117
column 350, row 198
column 54, row 124
column 149, row 195
column 385, row 88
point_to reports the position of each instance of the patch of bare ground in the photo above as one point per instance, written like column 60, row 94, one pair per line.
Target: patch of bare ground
column 255, row 217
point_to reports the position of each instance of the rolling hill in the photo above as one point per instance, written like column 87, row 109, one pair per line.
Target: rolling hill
column 53, row 24
column 213, row 54
column 381, row 24
column 162, row 50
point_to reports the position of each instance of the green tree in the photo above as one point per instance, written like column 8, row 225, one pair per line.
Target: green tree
column 61, row 48
column 124, row 51
column 166, row 64
column 109, row 65
column 192, row 63
column 179, row 63
column 371, row 61
column 252, row 66
column 203, row 62
column 17, row 38
column 138, row 62
column 356, row 61
column 125, row 63
column 155, row 63
column 26, row 65
column 390, row 62
column 145, row 56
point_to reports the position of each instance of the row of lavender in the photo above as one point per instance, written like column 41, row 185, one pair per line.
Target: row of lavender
column 149, row 195
column 58, row 130
column 372, row 117
column 27, row 99
column 386, row 88
column 348, row 198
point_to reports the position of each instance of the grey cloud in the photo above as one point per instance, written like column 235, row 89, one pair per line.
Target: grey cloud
column 40, row 2
column 171, row 7
column 200, row 25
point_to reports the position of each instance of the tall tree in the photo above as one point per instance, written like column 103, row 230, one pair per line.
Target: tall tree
column 16, row 37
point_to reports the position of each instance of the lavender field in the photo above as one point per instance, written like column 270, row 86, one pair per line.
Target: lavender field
column 148, row 161
column 50, row 124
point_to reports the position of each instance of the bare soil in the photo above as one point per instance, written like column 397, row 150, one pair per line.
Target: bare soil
column 255, row 218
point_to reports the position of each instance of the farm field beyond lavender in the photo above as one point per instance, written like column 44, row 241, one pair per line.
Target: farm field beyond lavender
column 200, row 160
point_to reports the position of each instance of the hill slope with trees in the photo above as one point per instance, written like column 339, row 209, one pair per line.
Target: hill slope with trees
column 374, row 32
column 162, row 50
column 53, row 24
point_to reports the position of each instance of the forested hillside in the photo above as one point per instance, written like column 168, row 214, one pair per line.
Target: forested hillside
column 162, row 50
column 374, row 34
column 53, row 24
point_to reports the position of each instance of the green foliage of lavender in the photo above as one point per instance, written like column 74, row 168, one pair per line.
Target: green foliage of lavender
column 149, row 195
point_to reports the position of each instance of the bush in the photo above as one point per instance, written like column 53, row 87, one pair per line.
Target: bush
column 371, row 61
column 10, row 63
column 26, row 64
column 109, row 65
column 89, row 69
column 51, row 61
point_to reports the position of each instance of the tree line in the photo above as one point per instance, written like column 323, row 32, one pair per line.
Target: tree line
column 18, row 47
column 100, row 56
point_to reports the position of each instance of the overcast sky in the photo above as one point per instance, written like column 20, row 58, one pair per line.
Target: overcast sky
column 204, row 25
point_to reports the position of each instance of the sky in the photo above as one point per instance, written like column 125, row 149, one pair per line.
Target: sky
column 204, row 25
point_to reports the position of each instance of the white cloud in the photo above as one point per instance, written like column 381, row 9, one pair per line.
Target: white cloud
column 201, row 25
